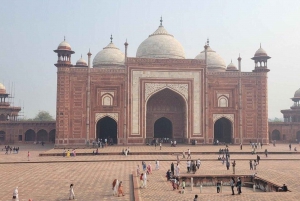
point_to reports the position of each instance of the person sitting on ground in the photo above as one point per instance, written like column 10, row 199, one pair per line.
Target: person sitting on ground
column 283, row 188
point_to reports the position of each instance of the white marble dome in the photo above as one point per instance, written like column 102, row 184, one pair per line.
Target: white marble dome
column 64, row 46
column 2, row 89
column 297, row 94
column 214, row 60
column 109, row 56
column 231, row 67
column 81, row 62
column 260, row 52
column 161, row 45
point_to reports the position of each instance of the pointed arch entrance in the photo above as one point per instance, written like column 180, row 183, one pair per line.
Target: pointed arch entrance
column 107, row 128
column 52, row 136
column 30, row 135
column 2, row 136
column 42, row 136
column 223, row 130
column 163, row 128
column 166, row 115
column 275, row 135
column 298, row 136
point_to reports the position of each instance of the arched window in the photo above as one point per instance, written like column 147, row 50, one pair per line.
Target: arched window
column 107, row 100
column 223, row 102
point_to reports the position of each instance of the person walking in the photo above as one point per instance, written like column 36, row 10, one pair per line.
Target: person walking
column 28, row 156
column 189, row 154
column 138, row 172
column 266, row 152
column 290, row 146
column 254, row 164
column 72, row 194
column 239, row 185
column 241, row 146
column 144, row 180
column 251, row 165
column 160, row 146
column 196, row 198
column 172, row 168
column 227, row 164
column 258, row 158
column 188, row 166
column 218, row 186
column 198, row 163
column 120, row 189
column 16, row 194
column 232, row 183
column 183, row 154
column 115, row 185
column 177, row 171
column 157, row 165
column 233, row 167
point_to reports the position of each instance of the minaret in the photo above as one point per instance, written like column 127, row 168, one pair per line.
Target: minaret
column 125, row 95
column 88, row 98
column 206, row 94
column 261, row 68
column 63, row 65
column 240, row 99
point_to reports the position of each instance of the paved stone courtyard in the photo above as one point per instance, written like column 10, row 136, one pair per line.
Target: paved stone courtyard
column 48, row 178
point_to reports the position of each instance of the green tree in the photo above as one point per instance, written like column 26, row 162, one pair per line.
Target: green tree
column 43, row 116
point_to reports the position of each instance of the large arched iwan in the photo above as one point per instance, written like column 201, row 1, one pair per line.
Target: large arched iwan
column 171, row 106
column 223, row 130
column 107, row 128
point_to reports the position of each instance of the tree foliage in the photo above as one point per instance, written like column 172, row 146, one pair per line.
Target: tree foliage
column 275, row 120
column 41, row 116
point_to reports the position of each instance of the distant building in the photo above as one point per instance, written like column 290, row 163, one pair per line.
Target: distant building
column 159, row 94
column 289, row 130
column 14, row 131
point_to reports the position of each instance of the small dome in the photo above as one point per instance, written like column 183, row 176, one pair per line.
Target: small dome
column 214, row 60
column 64, row 46
column 2, row 89
column 110, row 55
column 260, row 52
column 160, row 45
column 231, row 67
column 81, row 62
column 297, row 94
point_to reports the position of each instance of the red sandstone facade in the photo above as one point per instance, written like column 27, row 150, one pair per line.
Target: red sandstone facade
column 159, row 94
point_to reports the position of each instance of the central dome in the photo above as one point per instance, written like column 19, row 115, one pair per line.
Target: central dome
column 161, row 45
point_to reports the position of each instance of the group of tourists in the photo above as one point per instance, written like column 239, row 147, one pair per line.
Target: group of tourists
column 237, row 184
column 146, row 170
column 192, row 166
column 10, row 149
column 117, row 188
column 100, row 143
column 69, row 153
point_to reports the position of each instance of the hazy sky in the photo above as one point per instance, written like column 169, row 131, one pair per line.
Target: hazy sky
column 31, row 30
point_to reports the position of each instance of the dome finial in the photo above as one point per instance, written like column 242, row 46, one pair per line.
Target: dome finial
column 260, row 45
column 81, row 56
column 111, row 38
column 161, row 20
column 64, row 38
column 207, row 43
column 231, row 60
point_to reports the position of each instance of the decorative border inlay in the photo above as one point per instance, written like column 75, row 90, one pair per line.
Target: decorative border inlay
column 152, row 88
column 100, row 115
column 219, row 116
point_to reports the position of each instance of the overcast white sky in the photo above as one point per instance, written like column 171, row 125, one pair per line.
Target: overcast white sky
column 31, row 30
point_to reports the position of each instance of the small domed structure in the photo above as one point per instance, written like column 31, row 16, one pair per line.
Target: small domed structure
column 214, row 61
column 81, row 63
column 260, row 52
column 64, row 45
column 109, row 56
column 297, row 94
column 231, row 67
column 2, row 89
column 161, row 45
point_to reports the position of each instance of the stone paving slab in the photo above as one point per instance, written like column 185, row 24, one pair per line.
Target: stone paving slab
column 92, row 180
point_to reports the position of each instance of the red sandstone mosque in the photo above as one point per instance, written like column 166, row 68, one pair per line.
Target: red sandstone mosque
column 160, row 93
